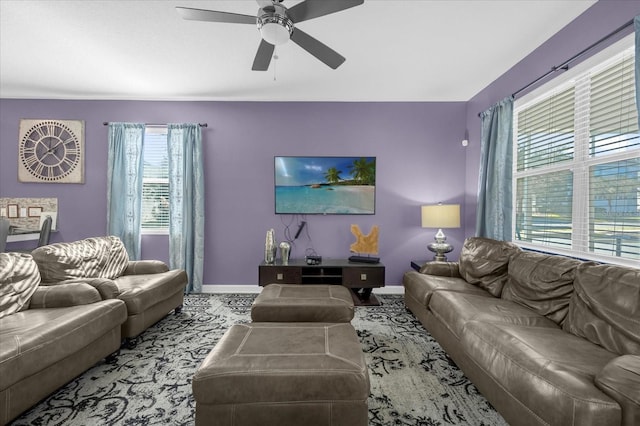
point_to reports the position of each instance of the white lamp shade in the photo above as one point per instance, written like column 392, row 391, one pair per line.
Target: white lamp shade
column 441, row 216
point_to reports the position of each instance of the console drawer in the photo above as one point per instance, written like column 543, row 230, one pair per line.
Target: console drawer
column 280, row 275
column 363, row 277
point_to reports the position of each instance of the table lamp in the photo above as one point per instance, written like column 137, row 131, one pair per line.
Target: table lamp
column 441, row 216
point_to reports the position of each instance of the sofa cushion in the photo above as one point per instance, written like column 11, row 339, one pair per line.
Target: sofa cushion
column 421, row 286
column 35, row 339
column 64, row 295
column 549, row 371
column 100, row 257
column 620, row 379
column 106, row 288
column 19, row 279
column 141, row 292
column 605, row 307
column 541, row 282
column 455, row 310
column 484, row 262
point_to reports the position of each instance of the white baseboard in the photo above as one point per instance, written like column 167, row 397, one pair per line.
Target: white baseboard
column 392, row 289
column 233, row 288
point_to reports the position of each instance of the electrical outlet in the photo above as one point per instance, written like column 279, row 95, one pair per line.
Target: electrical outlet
column 363, row 277
column 279, row 277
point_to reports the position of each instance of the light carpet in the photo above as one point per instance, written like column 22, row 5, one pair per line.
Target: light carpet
column 413, row 381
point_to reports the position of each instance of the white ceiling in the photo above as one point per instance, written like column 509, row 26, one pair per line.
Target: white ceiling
column 396, row 50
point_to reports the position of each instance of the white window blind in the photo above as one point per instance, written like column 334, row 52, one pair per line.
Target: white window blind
column 155, row 183
column 577, row 168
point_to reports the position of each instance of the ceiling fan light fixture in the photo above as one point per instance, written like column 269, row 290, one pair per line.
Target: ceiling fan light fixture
column 275, row 28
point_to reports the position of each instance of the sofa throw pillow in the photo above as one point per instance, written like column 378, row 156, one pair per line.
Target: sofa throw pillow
column 605, row 307
column 98, row 257
column 483, row 262
column 541, row 282
column 19, row 279
column 118, row 259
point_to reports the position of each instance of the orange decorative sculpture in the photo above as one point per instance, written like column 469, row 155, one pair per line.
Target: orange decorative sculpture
column 367, row 244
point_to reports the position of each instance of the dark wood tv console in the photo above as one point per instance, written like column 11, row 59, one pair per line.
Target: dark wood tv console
column 361, row 278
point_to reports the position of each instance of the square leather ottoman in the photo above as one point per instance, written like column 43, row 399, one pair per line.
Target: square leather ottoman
column 303, row 303
column 285, row 374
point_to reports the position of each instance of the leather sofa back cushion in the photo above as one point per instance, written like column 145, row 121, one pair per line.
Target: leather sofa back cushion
column 100, row 257
column 484, row 262
column 541, row 282
column 605, row 307
column 19, row 279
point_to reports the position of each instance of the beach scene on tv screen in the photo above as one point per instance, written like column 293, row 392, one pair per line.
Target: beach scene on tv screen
column 325, row 185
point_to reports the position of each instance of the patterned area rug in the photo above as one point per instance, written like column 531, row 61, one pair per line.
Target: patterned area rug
column 413, row 382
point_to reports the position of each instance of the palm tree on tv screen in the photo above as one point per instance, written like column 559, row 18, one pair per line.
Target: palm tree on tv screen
column 332, row 175
column 363, row 171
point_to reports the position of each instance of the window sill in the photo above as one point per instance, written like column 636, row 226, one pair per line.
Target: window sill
column 585, row 257
column 154, row 232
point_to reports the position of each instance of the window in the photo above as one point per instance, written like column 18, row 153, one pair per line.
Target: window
column 155, row 182
column 577, row 164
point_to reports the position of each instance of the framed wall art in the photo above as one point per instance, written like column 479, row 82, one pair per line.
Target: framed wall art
column 34, row 211
column 12, row 211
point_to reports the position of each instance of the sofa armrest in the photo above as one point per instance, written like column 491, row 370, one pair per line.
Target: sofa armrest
column 443, row 269
column 64, row 295
column 620, row 379
column 107, row 288
column 138, row 267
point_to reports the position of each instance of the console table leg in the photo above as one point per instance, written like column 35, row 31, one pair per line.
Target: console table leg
column 364, row 297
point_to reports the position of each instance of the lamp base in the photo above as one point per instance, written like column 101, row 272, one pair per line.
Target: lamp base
column 440, row 249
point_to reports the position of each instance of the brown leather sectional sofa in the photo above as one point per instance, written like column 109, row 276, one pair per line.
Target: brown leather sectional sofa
column 67, row 307
column 547, row 339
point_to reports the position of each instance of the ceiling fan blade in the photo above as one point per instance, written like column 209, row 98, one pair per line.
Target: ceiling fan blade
column 214, row 16
column 310, row 9
column 320, row 50
column 263, row 56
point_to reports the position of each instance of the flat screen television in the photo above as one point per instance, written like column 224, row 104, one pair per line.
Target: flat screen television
column 325, row 185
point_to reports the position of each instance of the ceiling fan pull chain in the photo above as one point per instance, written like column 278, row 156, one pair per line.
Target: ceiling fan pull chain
column 275, row 61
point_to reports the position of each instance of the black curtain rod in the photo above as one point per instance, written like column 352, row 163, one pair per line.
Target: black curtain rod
column 106, row 123
column 565, row 65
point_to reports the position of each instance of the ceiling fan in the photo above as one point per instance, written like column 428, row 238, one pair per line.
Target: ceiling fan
column 277, row 25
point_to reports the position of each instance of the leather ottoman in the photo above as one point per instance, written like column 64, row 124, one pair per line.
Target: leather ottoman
column 303, row 303
column 283, row 374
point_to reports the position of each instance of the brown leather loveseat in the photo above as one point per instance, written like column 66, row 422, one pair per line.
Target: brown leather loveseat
column 149, row 289
column 547, row 339
column 48, row 334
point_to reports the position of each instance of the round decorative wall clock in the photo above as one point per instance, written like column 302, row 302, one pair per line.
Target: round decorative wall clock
column 51, row 151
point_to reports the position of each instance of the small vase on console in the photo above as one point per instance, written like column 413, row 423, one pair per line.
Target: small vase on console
column 285, row 251
column 270, row 247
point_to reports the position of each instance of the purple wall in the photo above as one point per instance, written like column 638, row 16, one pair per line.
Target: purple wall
column 417, row 145
column 595, row 23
